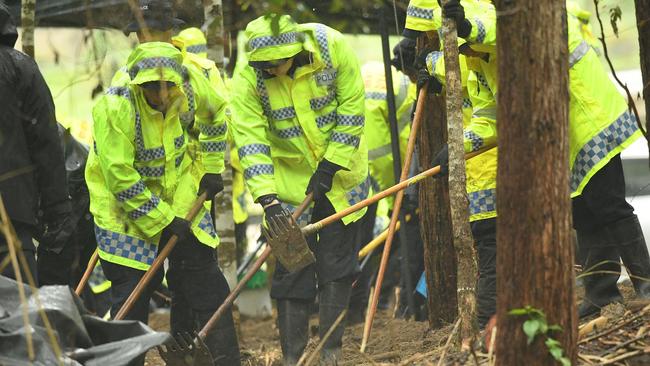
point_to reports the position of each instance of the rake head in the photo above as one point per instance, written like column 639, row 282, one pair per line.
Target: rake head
column 288, row 243
column 185, row 349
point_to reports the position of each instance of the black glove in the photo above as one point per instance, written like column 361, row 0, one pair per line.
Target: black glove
column 273, row 208
column 321, row 181
column 57, row 233
column 442, row 159
column 433, row 85
column 454, row 10
column 212, row 184
column 179, row 227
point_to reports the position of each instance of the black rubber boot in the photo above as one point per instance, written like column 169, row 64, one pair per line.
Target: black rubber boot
column 222, row 340
column 634, row 253
column 601, row 271
column 293, row 322
column 334, row 298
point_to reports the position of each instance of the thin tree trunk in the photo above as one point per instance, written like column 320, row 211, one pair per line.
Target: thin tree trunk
column 463, row 242
column 27, row 22
column 535, row 255
column 643, row 27
column 223, row 216
column 435, row 221
column 213, row 28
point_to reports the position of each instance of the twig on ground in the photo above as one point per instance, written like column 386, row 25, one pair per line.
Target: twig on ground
column 622, row 345
column 451, row 336
column 612, row 329
column 491, row 358
column 419, row 356
column 622, row 357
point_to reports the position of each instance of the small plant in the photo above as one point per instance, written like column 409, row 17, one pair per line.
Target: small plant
column 538, row 325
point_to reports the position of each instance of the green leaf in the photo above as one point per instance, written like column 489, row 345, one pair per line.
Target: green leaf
column 531, row 328
column 615, row 15
column 518, row 312
column 554, row 328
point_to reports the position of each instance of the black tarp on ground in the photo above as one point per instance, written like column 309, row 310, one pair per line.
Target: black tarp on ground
column 84, row 339
column 97, row 13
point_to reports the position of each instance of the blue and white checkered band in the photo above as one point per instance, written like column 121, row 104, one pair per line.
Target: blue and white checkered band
column 288, row 133
column 206, row 225
column 481, row 33
column 251, row 149
column 179, row 141
column 359, row 193
column 283, row 113
column 179, row 160
column 141, row 153
column 155, row 62
column 304, row 218
column 121, row 91
column 259, row 169
column 213, row 146
column 600, row 145
column 578, row 53
column 268, row 41
column 211, row 130
column 379, row 152
column 151, row 171
column 320, row 102
column 481, row 79
column 432, row 59
column 97, row 277
column 482, row 201
column 477, row 141
column 197, row 48
column 345, row 138
column 188, row 117
column 467, row 103
column 417, row 12
column 326, row 119
column 376, row 95
column 131, row 192
column 145, row 208
column 262, row 93
column 321, row 39
column 350, row 120
column 125, row 246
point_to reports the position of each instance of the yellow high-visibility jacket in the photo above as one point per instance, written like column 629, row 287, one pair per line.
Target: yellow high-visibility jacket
column 283, row 126
column 141, row 172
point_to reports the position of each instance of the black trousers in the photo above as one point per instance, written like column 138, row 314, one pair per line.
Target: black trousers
column 335, row 248
column 602, row 201
column 485, row 241
column 24, row 234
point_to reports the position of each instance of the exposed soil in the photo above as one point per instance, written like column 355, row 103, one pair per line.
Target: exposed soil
column 395, row 341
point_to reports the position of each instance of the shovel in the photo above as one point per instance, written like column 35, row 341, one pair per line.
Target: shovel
column 188, row 350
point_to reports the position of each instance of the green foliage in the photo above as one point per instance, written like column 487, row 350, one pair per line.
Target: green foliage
column 615, row 15
column 537, row 325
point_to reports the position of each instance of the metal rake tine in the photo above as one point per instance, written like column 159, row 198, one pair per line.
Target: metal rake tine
column 276, row 226
column 172, row 345
column 284, row 225
column 180, row 339
column 266, row 233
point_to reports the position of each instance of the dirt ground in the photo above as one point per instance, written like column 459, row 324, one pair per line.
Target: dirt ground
column 395, row 341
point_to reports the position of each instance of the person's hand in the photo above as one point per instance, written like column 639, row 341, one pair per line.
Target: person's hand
column 57, row 233
column 179, row 227
column 321, row 181
column 454, row 10
column 211, row 184
column 273, row 209
column 442, row 159
column 433, row 85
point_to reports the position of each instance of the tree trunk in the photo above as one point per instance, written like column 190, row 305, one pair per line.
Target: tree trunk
column 27, row 22
column 213, row 28
column 223, row 216
column 643, row 26
column 463, row 242
column 435, row 221
column 535, row 256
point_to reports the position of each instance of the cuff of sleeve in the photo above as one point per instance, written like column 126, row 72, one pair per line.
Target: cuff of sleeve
column 338, row 157
column 154, row 222
column 213, row 164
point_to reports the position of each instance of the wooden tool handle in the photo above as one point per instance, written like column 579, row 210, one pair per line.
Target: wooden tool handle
column 251, row 272
column 158, row 262
column 89, row 270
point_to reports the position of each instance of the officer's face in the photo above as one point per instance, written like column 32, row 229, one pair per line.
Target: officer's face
column 282, row 69
column 158, row 98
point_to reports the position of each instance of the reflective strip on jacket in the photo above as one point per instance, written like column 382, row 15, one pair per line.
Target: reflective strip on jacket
column 140, row 176
column 284, row 127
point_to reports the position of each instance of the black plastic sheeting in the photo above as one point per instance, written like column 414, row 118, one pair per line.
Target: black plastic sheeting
column 97, row 13
column 84, row 339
